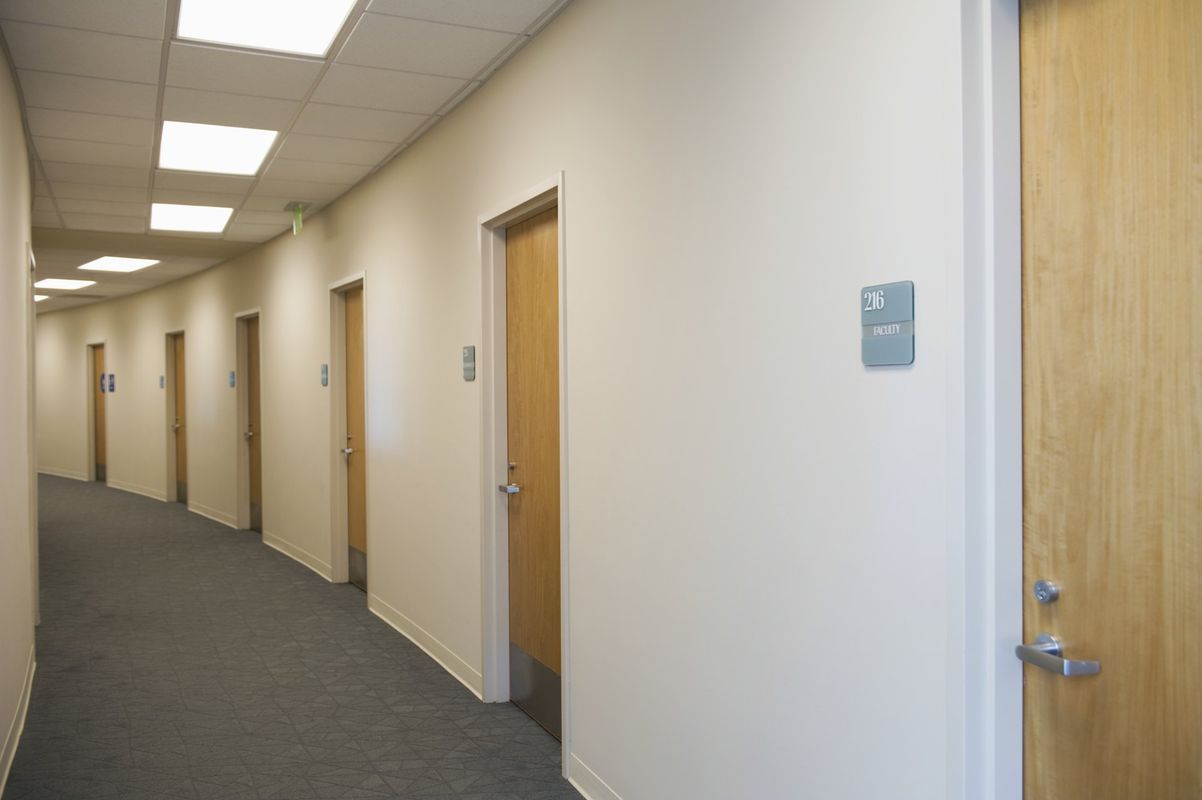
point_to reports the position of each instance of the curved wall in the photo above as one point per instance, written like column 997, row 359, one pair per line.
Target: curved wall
column 17, row 492
column 746, row 499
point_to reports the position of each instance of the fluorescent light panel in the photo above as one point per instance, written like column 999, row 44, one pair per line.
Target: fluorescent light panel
column 37, row 298
column 284, row 26
column 193, row 147
column 119, row 264
column 197, row 219
column 62, row 283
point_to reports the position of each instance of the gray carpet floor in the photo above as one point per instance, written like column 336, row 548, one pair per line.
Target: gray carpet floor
column 180, row 659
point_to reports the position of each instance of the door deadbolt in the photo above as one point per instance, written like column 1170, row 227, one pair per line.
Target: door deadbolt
column 1047, row 591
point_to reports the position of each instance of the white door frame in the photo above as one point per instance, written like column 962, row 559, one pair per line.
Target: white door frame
column 490, row 369
column 987, row 707
column 336, row 373
column 241, row 360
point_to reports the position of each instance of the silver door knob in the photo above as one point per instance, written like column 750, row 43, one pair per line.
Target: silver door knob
column 175, row 426
column 346, row 451
column 1047, row 653
column 248, row 435
column 509, row 488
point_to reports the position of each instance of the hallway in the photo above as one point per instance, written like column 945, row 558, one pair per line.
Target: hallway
column 178, row 658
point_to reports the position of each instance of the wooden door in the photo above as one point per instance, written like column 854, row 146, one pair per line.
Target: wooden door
column 180, row 426
column 99, row 425
column 254, row 428
column 532, row 357
column 1112, row 339
column 356, row 439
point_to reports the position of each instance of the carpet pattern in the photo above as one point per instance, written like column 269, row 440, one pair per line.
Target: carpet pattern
column 180, row 659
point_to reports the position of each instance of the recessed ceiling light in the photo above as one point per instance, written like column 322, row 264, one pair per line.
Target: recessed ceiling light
column 119, row 264
column 37, row 298
column 193, row 147
column 62, row 283
column 281, row 25
column 200, row 219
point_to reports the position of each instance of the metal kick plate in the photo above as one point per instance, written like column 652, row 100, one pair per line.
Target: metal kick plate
column 887, row 324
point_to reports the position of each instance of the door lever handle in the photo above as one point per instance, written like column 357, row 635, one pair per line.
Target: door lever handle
column 175, row 426
column 1047, row 653
column 248, row 435
column 346, row 451
column 509, row 488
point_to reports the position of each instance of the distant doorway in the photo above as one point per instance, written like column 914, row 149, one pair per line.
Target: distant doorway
column 532, row 359
column 253, row 434
column 99, row 393
column 178, row 390
column 355, row 449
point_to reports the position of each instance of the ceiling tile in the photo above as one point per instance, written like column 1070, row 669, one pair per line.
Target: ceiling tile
column 43, row 204
column 419, row 46
column 88, row 191
column 305, row 191
column 77, row 206
column 200, row 67
column 76, row 93
column 201, row 182
column 356, row 123
column 130, row 17
column 242, row 232
column 514, row 16
column 71, row 151
column 265, row 202
column 221, row 108
column 292, row 170
column 96, row 55
column 390, row 90
column 334, row 150
column 100, row 222
column 189, row 198
column 93, row 127
column 90, row 173
column 41, row 189
column 279, row 218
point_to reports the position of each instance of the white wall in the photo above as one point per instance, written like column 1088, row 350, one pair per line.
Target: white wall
column 17, row 518
column 762, row 531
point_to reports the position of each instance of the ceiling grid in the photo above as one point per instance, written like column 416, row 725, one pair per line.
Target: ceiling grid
column 98, row 79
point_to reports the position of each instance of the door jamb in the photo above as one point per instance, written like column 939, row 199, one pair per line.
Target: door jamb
column 987, row 597
column 243, row 412
column 494, row 516
column 90, row 365
column 339, row 534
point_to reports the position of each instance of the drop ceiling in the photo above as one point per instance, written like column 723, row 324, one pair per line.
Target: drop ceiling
column 99, row 77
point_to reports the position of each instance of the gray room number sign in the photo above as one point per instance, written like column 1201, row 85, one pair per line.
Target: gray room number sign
column 887, row 320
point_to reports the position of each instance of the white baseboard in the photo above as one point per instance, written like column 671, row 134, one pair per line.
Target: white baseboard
column 587, row 782
column 214, row 514
column 9, row 749
column 298, row 554
column 63, row 473
column 133, row 488
column 460, row 669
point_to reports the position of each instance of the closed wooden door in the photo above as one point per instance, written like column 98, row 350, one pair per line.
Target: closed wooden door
column 1112, row 339
column 532, row 357
column 254, row 427
column 356, row 440
column 99, row 425
column 180, row 425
